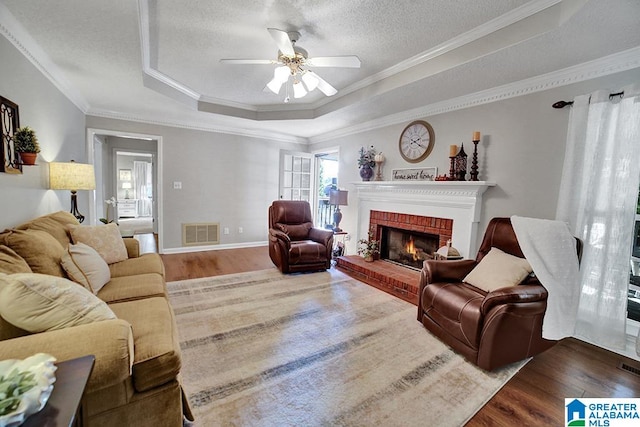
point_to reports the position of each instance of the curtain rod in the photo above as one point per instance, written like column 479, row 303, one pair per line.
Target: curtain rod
column 562, row 104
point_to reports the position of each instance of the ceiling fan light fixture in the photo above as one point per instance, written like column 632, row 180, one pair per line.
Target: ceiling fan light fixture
column 310, row 80
column 280, row 77
column 274, row 86
column 298, row 90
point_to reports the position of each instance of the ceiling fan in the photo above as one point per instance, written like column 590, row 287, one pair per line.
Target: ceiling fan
column 293, row 63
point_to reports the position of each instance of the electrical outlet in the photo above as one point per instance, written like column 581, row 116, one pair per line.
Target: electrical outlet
column 177, row 185
column 225, row 230
column 240, row 230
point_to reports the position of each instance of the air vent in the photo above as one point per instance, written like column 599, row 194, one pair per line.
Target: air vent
column 201, row 234
column 633, row 369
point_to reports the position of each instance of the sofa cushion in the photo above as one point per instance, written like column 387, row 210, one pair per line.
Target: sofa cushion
column 498, row 269
column 128, row 288
column 39, row 302
column 145, row 263
column 157, row 350
column 11, row 262
column 85, row 266
column 55, row 224
column 38, row 248
column 105, row 239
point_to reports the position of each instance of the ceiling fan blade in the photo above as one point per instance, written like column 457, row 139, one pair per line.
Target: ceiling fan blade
column 350, row 61
column 325, row 87
column 249, row 61
column 282, row 40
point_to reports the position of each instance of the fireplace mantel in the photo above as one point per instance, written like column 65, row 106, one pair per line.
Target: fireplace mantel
column 457, row 200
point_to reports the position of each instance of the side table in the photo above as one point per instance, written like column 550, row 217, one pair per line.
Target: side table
column 65, row 406
column 339, row 247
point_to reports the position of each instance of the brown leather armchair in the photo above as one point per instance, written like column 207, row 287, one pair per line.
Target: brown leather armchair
column 490, row 329
column 294, row 244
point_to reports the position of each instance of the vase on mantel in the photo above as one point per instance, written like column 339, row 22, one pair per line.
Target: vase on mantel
column 366, row 172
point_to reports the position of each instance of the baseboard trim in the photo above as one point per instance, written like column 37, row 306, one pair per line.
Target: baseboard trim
column 185, row 250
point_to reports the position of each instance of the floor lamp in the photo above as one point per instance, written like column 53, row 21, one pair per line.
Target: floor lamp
column 72, row 176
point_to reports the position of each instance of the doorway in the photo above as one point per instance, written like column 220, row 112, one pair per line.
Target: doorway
column 128, row 181
column 134, row 189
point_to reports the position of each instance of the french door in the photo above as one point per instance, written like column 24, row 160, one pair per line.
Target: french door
column 296, row 173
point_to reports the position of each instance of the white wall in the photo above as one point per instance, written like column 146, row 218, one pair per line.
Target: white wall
column 522, row 150
column 225, row 178
column 60, row 128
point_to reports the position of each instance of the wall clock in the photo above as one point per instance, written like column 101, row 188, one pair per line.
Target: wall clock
column 416, row 141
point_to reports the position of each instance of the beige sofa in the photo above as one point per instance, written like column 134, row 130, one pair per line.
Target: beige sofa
column 135, row 380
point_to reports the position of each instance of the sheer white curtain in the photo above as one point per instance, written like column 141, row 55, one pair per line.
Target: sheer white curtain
column 597, row 199
column 142, row 185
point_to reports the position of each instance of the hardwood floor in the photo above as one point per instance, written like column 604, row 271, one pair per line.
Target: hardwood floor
column 533, row 397
column 215, row 263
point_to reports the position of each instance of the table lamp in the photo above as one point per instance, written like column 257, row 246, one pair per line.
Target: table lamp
column 338, row 198
column 72, row 176
column 127, row 187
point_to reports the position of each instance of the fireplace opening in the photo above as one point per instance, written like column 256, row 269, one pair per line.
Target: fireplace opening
column 408, row 248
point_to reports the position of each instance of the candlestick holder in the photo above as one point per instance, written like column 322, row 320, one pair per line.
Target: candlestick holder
column 452, row 168
column 474, row 161
column 379, row 172
column 460, row 169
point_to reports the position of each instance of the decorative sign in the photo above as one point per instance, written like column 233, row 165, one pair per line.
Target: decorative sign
column 414, row 174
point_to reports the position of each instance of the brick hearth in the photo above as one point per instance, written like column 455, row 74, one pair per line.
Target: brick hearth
column 396, row 280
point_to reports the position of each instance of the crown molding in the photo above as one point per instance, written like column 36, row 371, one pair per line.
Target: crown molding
column 512, row 17
column 199, row 126
column 615, row 63
column 13, row 31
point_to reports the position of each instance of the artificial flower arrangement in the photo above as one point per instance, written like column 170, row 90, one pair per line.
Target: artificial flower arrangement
column 367, row 156
column 368, row 247
column 110, row 202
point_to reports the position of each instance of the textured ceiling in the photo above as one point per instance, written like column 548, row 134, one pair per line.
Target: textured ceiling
column 155, row 60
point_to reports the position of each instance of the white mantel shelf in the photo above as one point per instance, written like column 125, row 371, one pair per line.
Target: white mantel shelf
column 427, row 187
column 458, row 200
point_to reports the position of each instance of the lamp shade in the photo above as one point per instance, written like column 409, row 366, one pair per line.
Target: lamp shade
column 71, row 176
column 338, row 197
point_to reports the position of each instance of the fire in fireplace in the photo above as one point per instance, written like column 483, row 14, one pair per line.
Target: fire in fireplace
column 408, row 248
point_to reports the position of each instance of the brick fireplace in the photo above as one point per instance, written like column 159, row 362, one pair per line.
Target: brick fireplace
column 398, row 279
column 449, row 209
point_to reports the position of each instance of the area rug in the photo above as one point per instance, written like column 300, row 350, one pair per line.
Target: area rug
column 321, row 349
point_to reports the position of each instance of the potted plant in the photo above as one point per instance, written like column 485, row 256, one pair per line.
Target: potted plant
column 368, row 247
column 110, row 202
column 25, row 142
column 366, row 161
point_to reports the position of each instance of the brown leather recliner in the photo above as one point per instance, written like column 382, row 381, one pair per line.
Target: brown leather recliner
column 294, row 244
column 490, row 329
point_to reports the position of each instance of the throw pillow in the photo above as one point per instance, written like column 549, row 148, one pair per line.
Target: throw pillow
column 498, row 270
column 38, row 303
column 105, row 239
column 85, row 266
column 11, row 262
column 38, row 248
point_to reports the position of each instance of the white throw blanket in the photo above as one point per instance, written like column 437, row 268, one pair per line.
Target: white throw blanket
column 551, row 250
